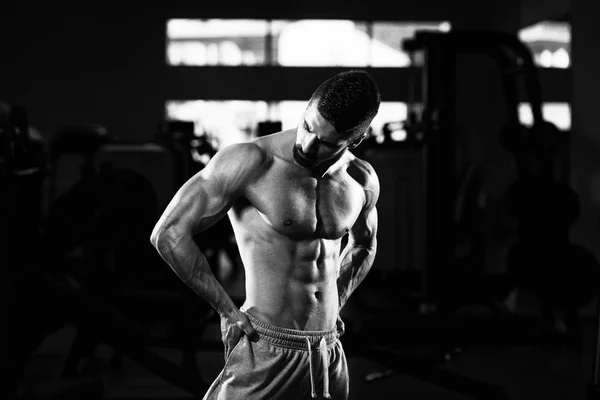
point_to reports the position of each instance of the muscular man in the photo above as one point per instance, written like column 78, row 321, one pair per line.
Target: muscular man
column 302, row 192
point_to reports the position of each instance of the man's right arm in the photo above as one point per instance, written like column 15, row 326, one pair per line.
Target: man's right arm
column 202, row 201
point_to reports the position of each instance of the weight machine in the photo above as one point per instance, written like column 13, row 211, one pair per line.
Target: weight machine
column 41, row 295
column 430, row 148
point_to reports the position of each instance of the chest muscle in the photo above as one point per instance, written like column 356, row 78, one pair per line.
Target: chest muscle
column 298, row 205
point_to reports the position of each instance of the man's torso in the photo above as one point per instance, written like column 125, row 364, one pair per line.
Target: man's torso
column 290, row 235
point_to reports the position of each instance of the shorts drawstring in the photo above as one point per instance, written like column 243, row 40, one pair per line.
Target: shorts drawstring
column 313, row 393
column 300, row 340
column 325, row 361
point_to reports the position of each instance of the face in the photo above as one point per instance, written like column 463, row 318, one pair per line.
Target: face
column 317, row 141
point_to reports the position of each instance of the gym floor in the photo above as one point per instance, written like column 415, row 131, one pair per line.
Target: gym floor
column 526, row 372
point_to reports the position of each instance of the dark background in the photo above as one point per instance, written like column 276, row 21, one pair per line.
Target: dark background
column 104, row 63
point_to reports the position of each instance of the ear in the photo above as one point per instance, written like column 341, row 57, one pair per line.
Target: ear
column 357, row 141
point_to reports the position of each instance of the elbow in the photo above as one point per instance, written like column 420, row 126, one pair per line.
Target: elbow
column 372, row 249
column 157, row 236
column 165, row 238
column 369, row 245
column 161, row 242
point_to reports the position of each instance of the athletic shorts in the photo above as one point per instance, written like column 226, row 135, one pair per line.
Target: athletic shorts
column 283, row 364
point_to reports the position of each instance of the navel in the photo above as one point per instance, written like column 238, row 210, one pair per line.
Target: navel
column 287, row 222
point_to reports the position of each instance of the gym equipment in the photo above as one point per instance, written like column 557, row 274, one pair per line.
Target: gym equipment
column 22, row 170
column 543, row 260
column 540, row 205
column 98, row 232
column 150, row 160
column 430, row 236
column 541, row 200
column 435, row 175
column 469, row 217
column 113, row 209
column 84, row 140
column 41, row 297
column 187, row 148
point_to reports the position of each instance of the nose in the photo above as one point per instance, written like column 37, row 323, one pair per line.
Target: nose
column 309, row 145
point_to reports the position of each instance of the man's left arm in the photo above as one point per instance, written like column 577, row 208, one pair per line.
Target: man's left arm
column 358, row 255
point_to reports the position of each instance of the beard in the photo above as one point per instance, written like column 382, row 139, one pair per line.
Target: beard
column 303, row 160
column 314, row 163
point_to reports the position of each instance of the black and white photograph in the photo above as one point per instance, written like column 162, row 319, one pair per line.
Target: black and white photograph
column 343, row 199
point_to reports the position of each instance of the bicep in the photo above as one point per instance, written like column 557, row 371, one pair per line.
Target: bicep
column 207, row 196
column 196, row 206
column 364, row 230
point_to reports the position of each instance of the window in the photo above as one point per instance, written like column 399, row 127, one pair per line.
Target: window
column 289, row 113
column 235, row 121
column 320, row 43
column 550, row 43
column 313, row 43
column 216, row 42
column 386, row 46
column 557, row 113
column 228, row 122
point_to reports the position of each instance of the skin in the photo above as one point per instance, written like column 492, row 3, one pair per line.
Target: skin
column 303, row 192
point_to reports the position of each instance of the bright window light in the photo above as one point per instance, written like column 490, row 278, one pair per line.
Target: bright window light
column 235, row 121
column 557, row 113
column 216, row 28
column 309, row 42
column 546, row 31
column 549, row 42
column 314, row 43
column 386, row 47
column 229, row 122
column 232, row 42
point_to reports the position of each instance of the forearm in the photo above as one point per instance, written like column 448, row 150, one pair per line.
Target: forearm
column 355, row 265
column 187, row 261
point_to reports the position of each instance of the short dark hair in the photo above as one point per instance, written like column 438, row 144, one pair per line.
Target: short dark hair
column 349, row 101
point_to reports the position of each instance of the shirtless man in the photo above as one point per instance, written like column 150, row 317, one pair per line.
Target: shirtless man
column 303, row 191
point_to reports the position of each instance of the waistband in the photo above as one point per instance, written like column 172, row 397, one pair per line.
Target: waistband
column 291, row 338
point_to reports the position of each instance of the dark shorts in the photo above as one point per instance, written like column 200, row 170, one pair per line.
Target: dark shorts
column 281, row 365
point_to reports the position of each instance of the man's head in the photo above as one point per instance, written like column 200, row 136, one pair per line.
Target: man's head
column 338, row 116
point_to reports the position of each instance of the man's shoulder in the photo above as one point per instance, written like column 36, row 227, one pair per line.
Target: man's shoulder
column 276, row 143
column 363, row 173
column 248, row 153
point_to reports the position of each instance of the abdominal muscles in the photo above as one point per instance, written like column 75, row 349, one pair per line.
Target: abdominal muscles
column 291, row 283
